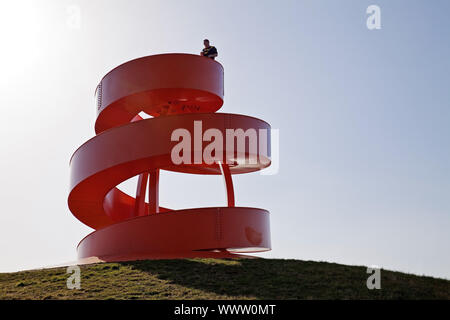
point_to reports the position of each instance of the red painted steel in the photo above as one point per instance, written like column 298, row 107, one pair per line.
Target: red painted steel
column 180, row 91
column 225, row 169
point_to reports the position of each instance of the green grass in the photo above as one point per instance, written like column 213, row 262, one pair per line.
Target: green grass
column 219, row 279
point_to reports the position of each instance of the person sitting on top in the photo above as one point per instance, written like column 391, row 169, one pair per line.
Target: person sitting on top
column 209, row 51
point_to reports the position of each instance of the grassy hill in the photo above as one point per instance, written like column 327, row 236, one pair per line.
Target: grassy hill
column 219, row 279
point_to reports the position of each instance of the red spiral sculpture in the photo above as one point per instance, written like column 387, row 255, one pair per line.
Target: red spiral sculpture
column 180, row 91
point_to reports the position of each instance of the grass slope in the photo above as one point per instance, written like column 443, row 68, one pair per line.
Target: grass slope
column 219, row 279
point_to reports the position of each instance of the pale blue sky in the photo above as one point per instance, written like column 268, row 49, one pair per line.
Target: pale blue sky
column 363, row 118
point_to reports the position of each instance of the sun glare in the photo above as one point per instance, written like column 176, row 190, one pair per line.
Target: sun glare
column 20, row 25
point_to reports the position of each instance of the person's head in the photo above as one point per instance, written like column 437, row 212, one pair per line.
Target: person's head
column 206, row 43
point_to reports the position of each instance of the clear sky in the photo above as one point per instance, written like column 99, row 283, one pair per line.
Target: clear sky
column 363, row 117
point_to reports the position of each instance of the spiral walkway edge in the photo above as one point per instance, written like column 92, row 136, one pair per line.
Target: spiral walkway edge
column 180, row 91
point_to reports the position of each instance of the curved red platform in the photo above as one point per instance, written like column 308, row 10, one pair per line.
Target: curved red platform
column 181, row 92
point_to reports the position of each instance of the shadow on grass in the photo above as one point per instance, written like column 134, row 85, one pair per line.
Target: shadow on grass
column 267, row 278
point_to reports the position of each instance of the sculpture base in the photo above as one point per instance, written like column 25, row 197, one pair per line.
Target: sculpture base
column 219, row 232
column 181, row 255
